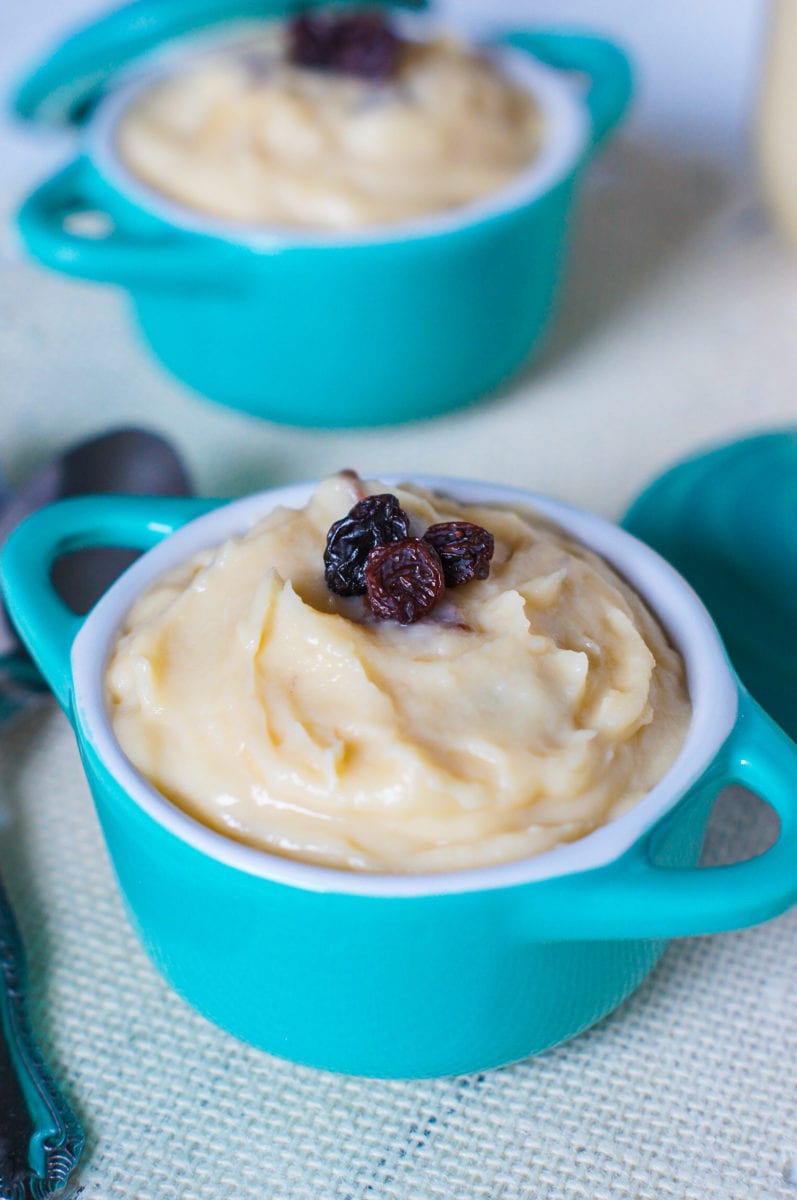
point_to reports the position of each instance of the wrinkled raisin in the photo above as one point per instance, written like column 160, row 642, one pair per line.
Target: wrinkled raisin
column 465, row 550
column 310, row 41
column 372, row 522
column 360, row 44
column 367, row 48
column 404, row 580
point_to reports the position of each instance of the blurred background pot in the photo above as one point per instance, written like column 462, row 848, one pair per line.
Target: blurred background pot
column 383, row 325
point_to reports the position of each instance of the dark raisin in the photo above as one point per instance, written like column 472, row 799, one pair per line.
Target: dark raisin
column 465, row 550
column 360, row 44
column 310, row 42
column 404, row 580
column 372, row 522
column 366, row 47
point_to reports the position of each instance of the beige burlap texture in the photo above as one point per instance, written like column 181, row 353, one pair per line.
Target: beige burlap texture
column 686, row 1093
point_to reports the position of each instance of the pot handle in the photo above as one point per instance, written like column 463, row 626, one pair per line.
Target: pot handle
column 636, row 898
column 45, row 624
column 608, row 71
column 132, row 260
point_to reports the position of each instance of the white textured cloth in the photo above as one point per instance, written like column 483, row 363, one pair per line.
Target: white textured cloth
column 686, row 1093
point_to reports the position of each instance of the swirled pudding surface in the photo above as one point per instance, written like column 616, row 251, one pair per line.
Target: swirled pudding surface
column 524, row 711
column 246, row 134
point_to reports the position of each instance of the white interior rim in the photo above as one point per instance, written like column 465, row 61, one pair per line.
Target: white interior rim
column 564, row 119
column 711, row 684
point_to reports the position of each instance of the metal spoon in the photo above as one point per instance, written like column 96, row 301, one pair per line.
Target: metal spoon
column 40, row 1137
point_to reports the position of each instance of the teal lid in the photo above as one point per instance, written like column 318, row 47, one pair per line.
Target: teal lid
column 727, row 520
column 65, row 86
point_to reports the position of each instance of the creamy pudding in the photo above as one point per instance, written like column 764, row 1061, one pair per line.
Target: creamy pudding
column 523, row 711
column 250, row 134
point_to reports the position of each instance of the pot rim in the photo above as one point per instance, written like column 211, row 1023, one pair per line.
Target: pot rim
column 712, row 689
column 566, row 137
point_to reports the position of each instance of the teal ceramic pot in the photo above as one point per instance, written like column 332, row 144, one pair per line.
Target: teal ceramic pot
column 724, row 517
column 382, row 325
column 406, row 975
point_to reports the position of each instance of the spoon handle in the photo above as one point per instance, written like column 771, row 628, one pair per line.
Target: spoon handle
column 40, row 1137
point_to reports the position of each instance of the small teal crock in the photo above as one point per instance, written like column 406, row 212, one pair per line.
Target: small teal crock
column 724, row 517
column 376, row 326
column 406, row 975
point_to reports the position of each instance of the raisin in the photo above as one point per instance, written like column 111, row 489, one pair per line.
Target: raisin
column 465, row 550
column 359, row 44
column 366, row 47
column 372, row 522
column 310, row 40
column 404, row 580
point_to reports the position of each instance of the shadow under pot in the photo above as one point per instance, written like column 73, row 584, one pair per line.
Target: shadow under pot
column 407, row 975
column 377, row 325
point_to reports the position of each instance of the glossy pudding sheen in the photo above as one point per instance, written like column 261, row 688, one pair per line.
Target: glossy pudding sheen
column 244, row 134
column 524, row 711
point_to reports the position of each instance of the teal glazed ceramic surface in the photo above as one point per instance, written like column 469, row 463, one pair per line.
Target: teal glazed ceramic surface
column 727, row 520
column 414, row 975
column 377, row 326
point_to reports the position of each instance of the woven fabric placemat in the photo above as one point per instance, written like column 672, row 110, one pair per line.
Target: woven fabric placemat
column 688, row 1091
